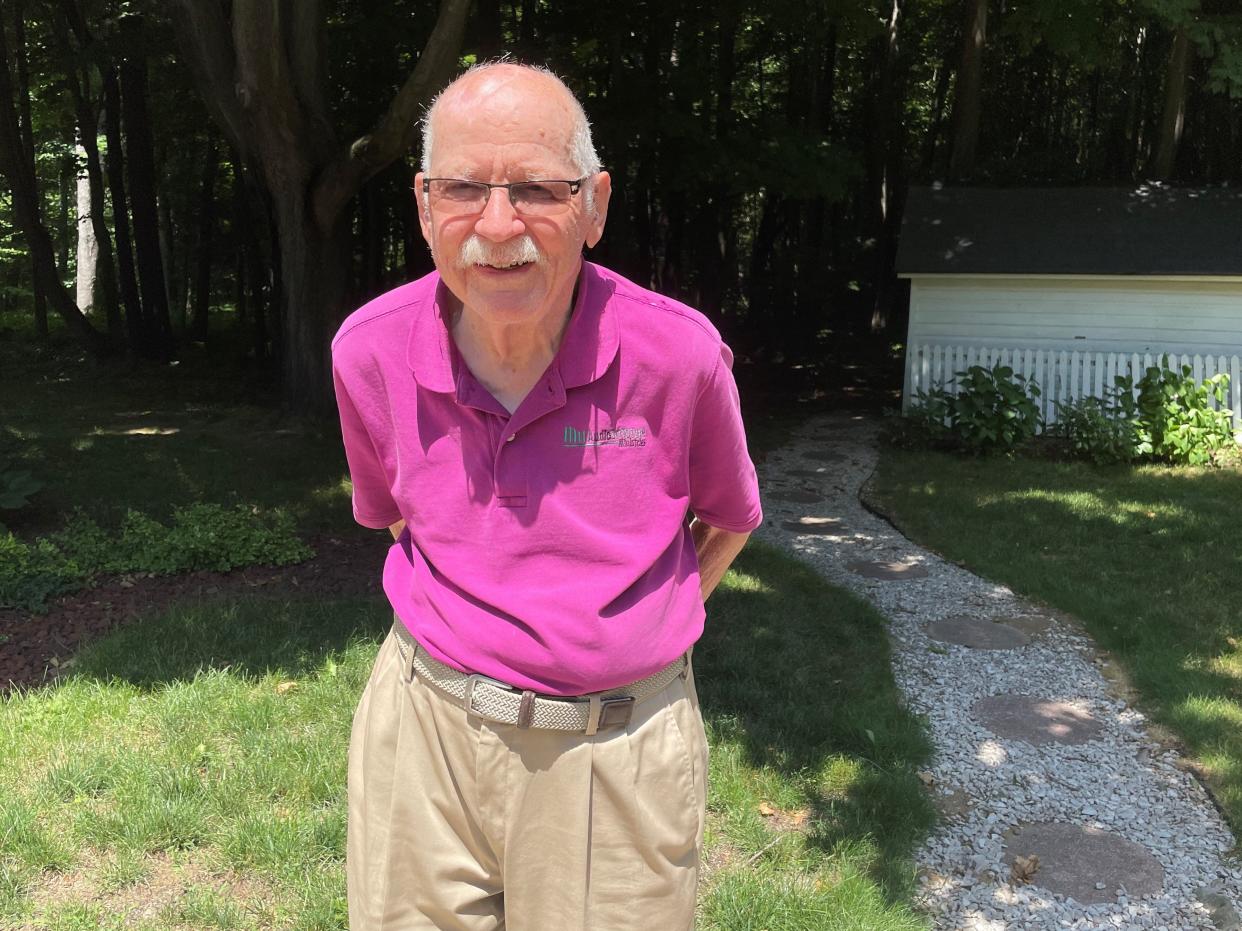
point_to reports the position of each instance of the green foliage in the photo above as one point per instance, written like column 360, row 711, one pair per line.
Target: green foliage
column 1167, row 417
column 202, row 536
column 1096, row 431
column 924, row 426
column 1176, row 421
column 991, row 411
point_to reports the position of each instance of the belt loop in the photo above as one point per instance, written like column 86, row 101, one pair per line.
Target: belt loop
column 526, row 711
column 593, row 717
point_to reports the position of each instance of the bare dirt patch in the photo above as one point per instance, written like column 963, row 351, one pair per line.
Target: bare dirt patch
column 164, row 882
column 34, row 647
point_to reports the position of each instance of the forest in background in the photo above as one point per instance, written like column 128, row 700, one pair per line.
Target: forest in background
column 175, row 170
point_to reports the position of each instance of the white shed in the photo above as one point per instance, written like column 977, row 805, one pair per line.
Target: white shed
column 1072, row 285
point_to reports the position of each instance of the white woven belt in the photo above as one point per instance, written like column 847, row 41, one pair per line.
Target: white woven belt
column 497, row 701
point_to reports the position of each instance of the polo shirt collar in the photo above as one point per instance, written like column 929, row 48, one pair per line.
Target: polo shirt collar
column 587, row 349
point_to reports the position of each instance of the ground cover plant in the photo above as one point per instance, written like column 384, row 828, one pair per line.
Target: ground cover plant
column 1141, row 554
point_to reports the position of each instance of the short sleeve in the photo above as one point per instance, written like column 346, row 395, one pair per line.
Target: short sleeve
column 373, row 504
column 724, row 489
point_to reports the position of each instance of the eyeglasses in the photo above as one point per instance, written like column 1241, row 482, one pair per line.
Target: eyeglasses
column 532, row 198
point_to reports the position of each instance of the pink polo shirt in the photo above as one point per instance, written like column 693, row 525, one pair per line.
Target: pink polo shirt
column 548, row 548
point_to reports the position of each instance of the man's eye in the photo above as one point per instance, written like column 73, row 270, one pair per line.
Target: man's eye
column 538, row 192
column 460, row 190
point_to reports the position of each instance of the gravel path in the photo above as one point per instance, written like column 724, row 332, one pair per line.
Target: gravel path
column 1051, row 762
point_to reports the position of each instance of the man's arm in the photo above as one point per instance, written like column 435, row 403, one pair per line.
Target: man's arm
column 716, row 550
column 395, row 529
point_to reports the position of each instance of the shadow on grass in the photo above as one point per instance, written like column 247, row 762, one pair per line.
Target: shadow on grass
column 108, row 438
column 797, row 671
column 801, row 672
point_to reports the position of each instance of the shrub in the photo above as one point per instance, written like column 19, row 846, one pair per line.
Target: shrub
column 992, row 410
column 202, row 536
column 1098, row 429
column 1175, row 417
column 924, row 426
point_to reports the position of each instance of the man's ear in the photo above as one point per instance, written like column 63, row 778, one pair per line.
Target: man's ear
column 595, row 222
column 420, row 203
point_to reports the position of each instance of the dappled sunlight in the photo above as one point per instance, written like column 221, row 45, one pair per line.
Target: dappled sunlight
column 744, row 582
column 134, row 431
column 991, row 753
column 334, row 492
column 1088, row 503
column 1201, row 711
column 840, row 776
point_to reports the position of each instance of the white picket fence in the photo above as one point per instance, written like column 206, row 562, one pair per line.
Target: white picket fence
column 1062, row 375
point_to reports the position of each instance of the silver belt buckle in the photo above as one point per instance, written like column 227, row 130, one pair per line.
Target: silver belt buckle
column 468, row 701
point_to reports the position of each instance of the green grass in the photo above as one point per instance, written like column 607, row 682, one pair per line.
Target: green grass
column 172, row 744
column 1145, row 556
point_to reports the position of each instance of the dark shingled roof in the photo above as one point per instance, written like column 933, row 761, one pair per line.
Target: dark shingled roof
column 1149, row 230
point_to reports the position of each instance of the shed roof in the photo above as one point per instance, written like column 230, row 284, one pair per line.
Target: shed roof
column 1148, row 230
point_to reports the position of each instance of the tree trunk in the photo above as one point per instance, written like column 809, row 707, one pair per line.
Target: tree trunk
column 135, row 322
column 104, row 286
column 27, row 136
column 260, row 67
column 140, row 165
column 202, row 254
column 892, row 182
column 1173, row 116
column 967, row 95
column 22, row 185
column 87, row 250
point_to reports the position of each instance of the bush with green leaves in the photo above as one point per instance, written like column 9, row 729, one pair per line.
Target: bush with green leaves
column 1174, row 414
column 1168, row 416
column 923, row 426
column 1099, row 429
column 991, row 410
column 202, row 536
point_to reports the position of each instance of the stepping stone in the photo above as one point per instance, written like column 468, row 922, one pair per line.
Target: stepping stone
column 797, row 495
column 807, row 473
column 1035, row 720
column 823, row 455
column 817, row 526
column 1073, row 859
column 887, row 571
column 1030, row 624
column 952, row 804
column 977, row 633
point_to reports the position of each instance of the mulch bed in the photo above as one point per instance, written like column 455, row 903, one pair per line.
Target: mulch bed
column 343, row 566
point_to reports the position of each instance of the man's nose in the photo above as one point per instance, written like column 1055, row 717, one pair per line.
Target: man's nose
column 499, row 221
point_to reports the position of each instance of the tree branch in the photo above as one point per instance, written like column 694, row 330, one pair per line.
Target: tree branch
column 396, row 130
column 203, row 35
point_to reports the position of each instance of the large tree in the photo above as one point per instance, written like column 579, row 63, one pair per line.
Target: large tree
column 260, row 67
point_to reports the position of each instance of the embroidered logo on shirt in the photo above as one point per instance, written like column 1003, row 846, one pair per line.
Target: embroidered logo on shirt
column 613, row 436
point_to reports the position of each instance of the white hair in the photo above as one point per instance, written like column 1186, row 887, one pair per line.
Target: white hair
column 582, row 155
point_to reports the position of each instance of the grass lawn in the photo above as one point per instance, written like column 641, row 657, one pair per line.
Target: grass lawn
column 190, row 771
column 178, row 780
column 1146, row 557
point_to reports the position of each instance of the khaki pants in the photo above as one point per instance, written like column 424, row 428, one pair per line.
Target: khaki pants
column 464, row 824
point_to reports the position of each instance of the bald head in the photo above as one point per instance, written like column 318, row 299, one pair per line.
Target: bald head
column 506, row 92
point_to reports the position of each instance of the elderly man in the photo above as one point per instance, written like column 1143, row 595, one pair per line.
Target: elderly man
column 528, row 752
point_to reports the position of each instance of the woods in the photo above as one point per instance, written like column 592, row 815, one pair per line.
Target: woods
column 246, row 165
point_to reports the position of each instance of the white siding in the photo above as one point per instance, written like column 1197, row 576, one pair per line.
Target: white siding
column 1112, row 315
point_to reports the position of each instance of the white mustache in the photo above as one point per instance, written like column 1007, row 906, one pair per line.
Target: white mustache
column 478, row 251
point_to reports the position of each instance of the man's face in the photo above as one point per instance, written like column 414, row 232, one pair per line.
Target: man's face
column 500, row 127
